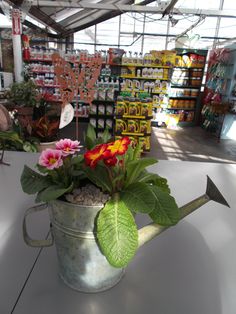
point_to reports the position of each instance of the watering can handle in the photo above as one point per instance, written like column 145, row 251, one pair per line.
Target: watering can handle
column 27, row 238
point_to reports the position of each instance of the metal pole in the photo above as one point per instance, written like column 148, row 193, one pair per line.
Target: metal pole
column 16, row 40
column 218, row 25
column 167, row 33
column 142, row 43
column 119, row 31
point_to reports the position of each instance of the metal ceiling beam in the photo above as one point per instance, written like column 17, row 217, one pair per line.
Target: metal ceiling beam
column 40, row 15
column 104, row 17
column 169, row 7
column 133, row 8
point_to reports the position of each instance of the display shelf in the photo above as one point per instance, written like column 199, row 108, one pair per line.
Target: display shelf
column 187, row 109
column 144, row 78
column 183, row 97
column 144, row 91
column 39, row 60
column 47, row 85
column 42, row 71
column 185, row 86
column 101, row 115
column 188, row 68
column 133, row 133
column 134, row 117
column 147, row 66
column 103, row 101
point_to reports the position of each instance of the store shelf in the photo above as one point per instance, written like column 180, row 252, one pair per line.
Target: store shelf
column 187, row 109
column 189, row 68
column 42, row 71
column 134, row 117
column 102, row 101
column 47, row 86
column 101, row 116
column 144, row 78
column 147, row 66
column 185, row 86
column 134, row 134
column 183, row 97
column 39, row 60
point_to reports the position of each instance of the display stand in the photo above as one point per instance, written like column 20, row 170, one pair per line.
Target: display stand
column 186, row 85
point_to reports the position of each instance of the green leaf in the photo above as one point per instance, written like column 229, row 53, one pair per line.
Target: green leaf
column 33, row 182
column 90, row 137
column 166, row 212
column 77, row 160
column 154, row 179
column 138, row 197
column 117, row 232
column 10, row 136
column 135, row 167
column 99, row 177
column 106, row 136
column 52, row 192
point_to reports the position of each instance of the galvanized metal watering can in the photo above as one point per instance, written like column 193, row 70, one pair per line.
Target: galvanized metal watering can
column 82, row 266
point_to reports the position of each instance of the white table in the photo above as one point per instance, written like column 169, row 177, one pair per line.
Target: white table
column 190, row 268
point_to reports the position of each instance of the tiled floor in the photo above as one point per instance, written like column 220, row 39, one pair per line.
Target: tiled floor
column 192, row 144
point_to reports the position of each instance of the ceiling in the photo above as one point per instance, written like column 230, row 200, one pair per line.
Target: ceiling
column 63, row 18
column 60, row 19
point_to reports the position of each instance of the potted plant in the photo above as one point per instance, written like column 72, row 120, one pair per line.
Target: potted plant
column 45, row 129
column 93, row 199
column 24, row 96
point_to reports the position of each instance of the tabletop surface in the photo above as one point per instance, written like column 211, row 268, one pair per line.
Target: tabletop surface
column 190, row 268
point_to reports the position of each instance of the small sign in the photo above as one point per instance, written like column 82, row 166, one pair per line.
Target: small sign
column 16, row 23
column 67, row 115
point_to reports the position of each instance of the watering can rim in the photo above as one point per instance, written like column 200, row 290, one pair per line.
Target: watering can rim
column 77, row 205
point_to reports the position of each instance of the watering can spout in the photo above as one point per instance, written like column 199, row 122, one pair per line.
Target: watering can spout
column 148, row 232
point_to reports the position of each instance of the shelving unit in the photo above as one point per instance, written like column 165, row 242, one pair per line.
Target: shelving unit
column 186, row 82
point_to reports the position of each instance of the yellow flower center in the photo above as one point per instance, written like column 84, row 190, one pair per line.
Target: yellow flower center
column 52, row 161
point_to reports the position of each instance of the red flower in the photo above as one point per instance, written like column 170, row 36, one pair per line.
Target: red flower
column 119, row 147
column 111, row 161
column 93, row 156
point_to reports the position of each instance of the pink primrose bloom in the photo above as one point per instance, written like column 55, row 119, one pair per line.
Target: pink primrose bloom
column 68, row 147
column 51, row 158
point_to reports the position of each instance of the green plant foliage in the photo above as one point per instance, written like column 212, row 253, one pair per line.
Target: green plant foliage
column 117, row 232
column 52, row 192
column 33, row 182
column 135, row 167
column 99, row 177
column 23, row 94
column 166, row 211
column 138, row 197
column 10, row 136
column 155, row 179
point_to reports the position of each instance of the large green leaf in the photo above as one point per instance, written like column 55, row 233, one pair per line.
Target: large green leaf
column 99, row 177
column 166, row 211
column 33, row 182
column 52, row 192
column 117, row 232
column 135, row 167
column 154, row 179
column 138, row 197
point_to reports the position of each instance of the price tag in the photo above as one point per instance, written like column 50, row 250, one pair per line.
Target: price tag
column 67, row 115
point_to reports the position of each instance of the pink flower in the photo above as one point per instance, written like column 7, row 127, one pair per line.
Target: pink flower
column 51, row 158
column 68, row 147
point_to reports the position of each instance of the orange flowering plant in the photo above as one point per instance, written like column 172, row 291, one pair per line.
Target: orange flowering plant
column 118, row 170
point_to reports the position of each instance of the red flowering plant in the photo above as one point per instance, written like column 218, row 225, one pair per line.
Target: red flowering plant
column 117, row 169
